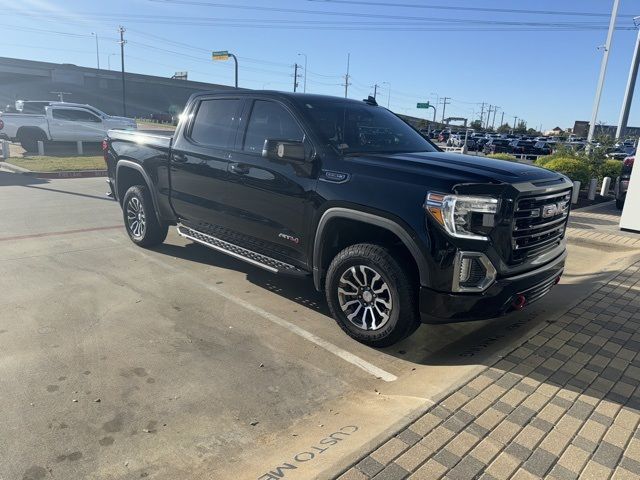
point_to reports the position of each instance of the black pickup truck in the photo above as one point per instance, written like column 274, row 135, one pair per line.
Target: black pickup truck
column 391, row 228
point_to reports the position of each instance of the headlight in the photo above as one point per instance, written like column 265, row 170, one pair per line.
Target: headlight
column 463, row 216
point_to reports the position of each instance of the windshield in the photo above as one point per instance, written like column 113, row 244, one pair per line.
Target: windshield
column 352, row 128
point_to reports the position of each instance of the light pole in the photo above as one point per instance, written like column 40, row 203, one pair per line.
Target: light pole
column 97, row 49
column 109, row 59
column 603, row 71
column 305, row 70
column 388, row 94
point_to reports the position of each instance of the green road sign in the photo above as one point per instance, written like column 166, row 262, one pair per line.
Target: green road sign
column 423, row 105
column 220, row 55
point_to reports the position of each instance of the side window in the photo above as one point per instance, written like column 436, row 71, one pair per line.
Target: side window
column 215, row 122
column 61, row 114
column 74, row 115
column 270, row 120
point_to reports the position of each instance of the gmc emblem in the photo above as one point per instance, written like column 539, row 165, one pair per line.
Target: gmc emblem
column 553, row 209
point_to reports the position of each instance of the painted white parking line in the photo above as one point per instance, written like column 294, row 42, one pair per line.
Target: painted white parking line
column 328, row 346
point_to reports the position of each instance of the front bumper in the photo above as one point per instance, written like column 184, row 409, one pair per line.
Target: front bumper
column 497, row 300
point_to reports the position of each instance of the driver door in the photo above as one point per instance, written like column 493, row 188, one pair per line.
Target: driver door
column 270, row 201
column 75, row 124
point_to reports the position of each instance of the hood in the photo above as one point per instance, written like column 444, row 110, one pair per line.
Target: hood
column 459, row 168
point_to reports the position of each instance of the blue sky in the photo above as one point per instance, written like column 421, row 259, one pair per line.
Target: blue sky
column 534, row 71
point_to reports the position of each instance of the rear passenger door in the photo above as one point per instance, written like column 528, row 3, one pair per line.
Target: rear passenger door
column 270, row 202
column 200, row 156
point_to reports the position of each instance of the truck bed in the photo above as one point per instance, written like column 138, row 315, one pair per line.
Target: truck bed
column 152, row 138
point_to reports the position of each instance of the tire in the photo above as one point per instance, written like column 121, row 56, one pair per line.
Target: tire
column 619, row 203
column 353, row 270
column 29, row 140
column 140, row 219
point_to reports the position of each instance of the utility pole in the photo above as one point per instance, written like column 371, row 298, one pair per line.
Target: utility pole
column 631, row 85
column 481, row 114
column 346, row 77
column 493, row 122
column 375, row 90
column 97, row 49
column 603, row 70
column 515, row 123
column 295, row 77
column 305, row 70
column 389, row 95
column 124, row 95
column 502, row 119
column 486, row 125
column 445, row 102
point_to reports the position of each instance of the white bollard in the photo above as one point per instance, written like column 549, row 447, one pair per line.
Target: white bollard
column 576, row 192
column 79, row 146
column 40, row 147
column 593, row 185
column 5, row 149
column 606, row 185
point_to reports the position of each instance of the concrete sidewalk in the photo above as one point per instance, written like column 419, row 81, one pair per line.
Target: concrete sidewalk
column 564, row 405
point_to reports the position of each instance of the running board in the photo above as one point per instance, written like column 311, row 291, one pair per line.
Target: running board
column 241, row 253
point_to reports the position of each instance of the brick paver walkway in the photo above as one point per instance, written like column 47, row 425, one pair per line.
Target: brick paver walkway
column 564, row 405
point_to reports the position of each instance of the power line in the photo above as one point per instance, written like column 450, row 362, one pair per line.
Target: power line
column 465, row 8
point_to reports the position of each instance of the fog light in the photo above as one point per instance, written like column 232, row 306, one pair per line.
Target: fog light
column 519, row 302
column 473, row 272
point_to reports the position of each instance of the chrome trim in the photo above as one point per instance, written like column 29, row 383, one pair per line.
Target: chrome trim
column 489, row 279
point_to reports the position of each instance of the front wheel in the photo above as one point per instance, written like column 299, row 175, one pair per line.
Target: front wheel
column 140, row 219
column 371, row 296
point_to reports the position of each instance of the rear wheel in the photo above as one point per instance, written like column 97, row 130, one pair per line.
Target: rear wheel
column 140, row 219
column 29, row 139
column 371, row 296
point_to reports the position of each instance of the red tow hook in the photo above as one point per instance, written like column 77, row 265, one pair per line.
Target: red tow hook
column 519, row 302
column 558, row 280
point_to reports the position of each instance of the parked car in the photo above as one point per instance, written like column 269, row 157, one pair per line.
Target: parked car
column 443, row 136
column 347, row 193
column 523, row 147
column 622, row 152
column 542, row 148
column 497, row 145
column 61, row 122
column 622, row 182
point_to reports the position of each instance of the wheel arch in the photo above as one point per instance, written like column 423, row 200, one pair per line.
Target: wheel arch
column 28, row 129
column 332, row 215
column 130, row 173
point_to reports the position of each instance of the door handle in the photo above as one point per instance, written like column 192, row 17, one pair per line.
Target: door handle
column 176, row 158
column 239, row 168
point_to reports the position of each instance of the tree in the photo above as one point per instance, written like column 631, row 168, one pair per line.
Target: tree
column 476, row 125
column 521, row 127
column 504, row 128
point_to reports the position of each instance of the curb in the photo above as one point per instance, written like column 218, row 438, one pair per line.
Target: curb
column 64, row 174
column 354, row 458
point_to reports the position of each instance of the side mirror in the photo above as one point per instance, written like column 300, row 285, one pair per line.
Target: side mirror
column 284, row 150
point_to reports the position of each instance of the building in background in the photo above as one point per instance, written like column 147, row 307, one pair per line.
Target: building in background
column 581, row 129
column 146, row 95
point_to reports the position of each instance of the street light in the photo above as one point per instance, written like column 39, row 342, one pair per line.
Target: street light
column 305, row 70
column 388, row 95
column 97, row 49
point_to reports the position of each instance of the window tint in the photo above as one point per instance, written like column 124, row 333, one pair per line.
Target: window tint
column 215, row 122
column 74, row 115
column 270, row 120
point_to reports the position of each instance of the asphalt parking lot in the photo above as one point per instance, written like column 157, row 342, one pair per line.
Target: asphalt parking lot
column 178, row 362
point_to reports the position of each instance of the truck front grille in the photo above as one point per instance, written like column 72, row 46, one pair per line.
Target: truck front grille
column 539, row 223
